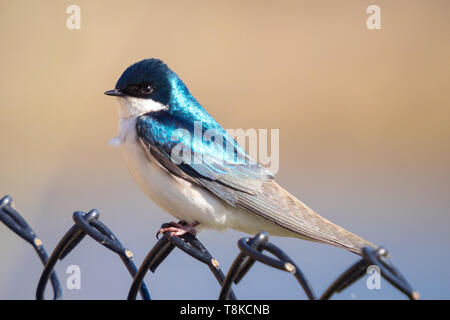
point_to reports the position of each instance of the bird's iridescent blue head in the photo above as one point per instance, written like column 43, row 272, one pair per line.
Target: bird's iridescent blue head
column 147, row 79
column 151, row 86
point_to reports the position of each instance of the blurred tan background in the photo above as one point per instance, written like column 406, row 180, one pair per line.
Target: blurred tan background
column 364, row 119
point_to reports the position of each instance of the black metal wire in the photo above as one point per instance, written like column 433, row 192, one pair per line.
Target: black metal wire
column 88, row 224
column 13, row 220
column 251, row 250
column 189, row 244
column 389, row 271
column 370, row 257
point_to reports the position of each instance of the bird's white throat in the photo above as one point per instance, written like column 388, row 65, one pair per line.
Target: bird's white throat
column 129, row 109
column 131, row 106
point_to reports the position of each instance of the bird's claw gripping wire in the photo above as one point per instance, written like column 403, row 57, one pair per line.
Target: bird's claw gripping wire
column 177, row 229
column 187, row 243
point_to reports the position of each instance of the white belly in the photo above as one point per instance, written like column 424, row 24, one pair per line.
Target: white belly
column 182, row 199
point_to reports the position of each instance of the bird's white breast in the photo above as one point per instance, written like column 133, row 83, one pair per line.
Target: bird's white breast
column 175, row 195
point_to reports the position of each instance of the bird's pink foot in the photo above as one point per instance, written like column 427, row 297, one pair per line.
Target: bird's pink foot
column 176, row 229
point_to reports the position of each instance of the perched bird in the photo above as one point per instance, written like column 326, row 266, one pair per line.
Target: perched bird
column 206, row 185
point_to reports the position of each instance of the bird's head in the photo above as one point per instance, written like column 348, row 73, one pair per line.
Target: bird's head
column 148, row 86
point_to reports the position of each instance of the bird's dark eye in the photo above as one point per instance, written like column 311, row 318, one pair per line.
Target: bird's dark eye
column 146, row 89
column 139, row 90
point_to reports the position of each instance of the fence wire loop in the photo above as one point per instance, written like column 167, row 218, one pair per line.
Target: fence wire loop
column 389, row 271
column 14, row 221
column 189, row 244
column 370, row 256
column 251, row 250
column 87, row 224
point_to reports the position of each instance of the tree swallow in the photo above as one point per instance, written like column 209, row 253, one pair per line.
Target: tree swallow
column 220, row 187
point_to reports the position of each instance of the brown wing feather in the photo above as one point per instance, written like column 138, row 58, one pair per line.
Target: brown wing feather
column 288, row 212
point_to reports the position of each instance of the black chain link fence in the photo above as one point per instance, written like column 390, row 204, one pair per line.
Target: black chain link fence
column 251, row 250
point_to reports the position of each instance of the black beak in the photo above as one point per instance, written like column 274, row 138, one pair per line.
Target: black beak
column 114, row 92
